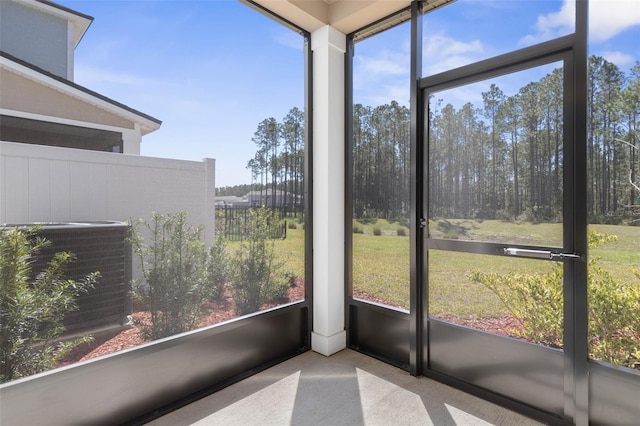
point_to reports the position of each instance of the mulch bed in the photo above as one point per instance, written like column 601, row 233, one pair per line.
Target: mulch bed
column 224, row 309
column 505, row 325
column 215, row 312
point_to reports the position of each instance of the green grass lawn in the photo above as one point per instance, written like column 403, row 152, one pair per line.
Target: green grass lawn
column 290, row 251
column 381, row 263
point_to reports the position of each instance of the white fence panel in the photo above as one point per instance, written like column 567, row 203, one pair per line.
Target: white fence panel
column 51, row 184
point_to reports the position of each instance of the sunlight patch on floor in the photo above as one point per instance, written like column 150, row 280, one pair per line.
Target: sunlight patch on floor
column 259, row 408
column 377, row 395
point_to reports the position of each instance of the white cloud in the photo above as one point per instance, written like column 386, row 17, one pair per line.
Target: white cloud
column 388, row 63
column 382, row 76
column 387, row 93
column 288, row 38
column 92, row 77
column 619, row 58
column 442, row 52
column 381, row 66
column 607, row 18
column 440, row 44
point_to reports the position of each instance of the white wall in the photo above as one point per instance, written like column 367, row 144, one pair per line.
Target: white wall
column 49, row 184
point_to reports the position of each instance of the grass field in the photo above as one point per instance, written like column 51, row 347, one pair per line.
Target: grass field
column 381, row 263
column 290, row 251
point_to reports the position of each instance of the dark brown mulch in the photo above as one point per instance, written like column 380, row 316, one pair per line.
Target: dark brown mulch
column 224, row 309
column 215, row 312
column 505, row 325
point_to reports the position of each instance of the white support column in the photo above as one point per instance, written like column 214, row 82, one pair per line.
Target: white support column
column 328, row 335
column 131, row 140
column 210, row 200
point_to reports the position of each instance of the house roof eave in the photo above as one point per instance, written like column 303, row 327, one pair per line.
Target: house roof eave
column 147, row 123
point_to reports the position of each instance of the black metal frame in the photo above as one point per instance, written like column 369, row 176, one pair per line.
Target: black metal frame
column 513, row 379
column 389, row 326
column 348, row 187
column 371, row 326
column 418, row 297
column 308, row 184
column 575, row 209
column 561, row 49
column 145, row 382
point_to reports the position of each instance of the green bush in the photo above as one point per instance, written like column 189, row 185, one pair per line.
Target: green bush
column 256, row 278
column 32, row 310
column 536, row 301
column 174, row 284
column 218, row 272
column 358, row 230
column 292, row 225
column 377, row 231
column 402, row 232
column 614, row 315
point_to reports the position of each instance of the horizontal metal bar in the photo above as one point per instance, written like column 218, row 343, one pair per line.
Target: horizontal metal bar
column 481, row 247
column 500, row 249
column 541, row 254
column 537, row 254
column 528, row 57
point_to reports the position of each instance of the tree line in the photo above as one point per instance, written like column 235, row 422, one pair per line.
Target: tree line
column 500, row 160
column 504, row 159
column 278, row 163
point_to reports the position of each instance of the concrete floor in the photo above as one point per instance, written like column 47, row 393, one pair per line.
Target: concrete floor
column 346, row 389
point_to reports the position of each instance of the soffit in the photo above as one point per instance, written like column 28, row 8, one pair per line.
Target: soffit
column 346, row 16
column 74, row 91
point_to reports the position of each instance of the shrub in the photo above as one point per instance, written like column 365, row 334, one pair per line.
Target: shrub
column 292, row 225
column 217, row 267
column 402, row 232
column 377, row 231
column 32, row 311
column 536, row 301
column 452, row 230
column 367, row 220
column 358, row 230
column 174, row 284
column 614, row 315
column 256, row 277
column 402, row 221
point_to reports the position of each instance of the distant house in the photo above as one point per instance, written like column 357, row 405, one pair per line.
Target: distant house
column 266, row 198
column 40, row 103
column 231, row 201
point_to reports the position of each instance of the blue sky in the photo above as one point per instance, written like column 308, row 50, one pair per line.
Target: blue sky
column 211, row 70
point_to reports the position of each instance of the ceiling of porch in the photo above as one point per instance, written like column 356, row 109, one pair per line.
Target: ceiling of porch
column 347, row 16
